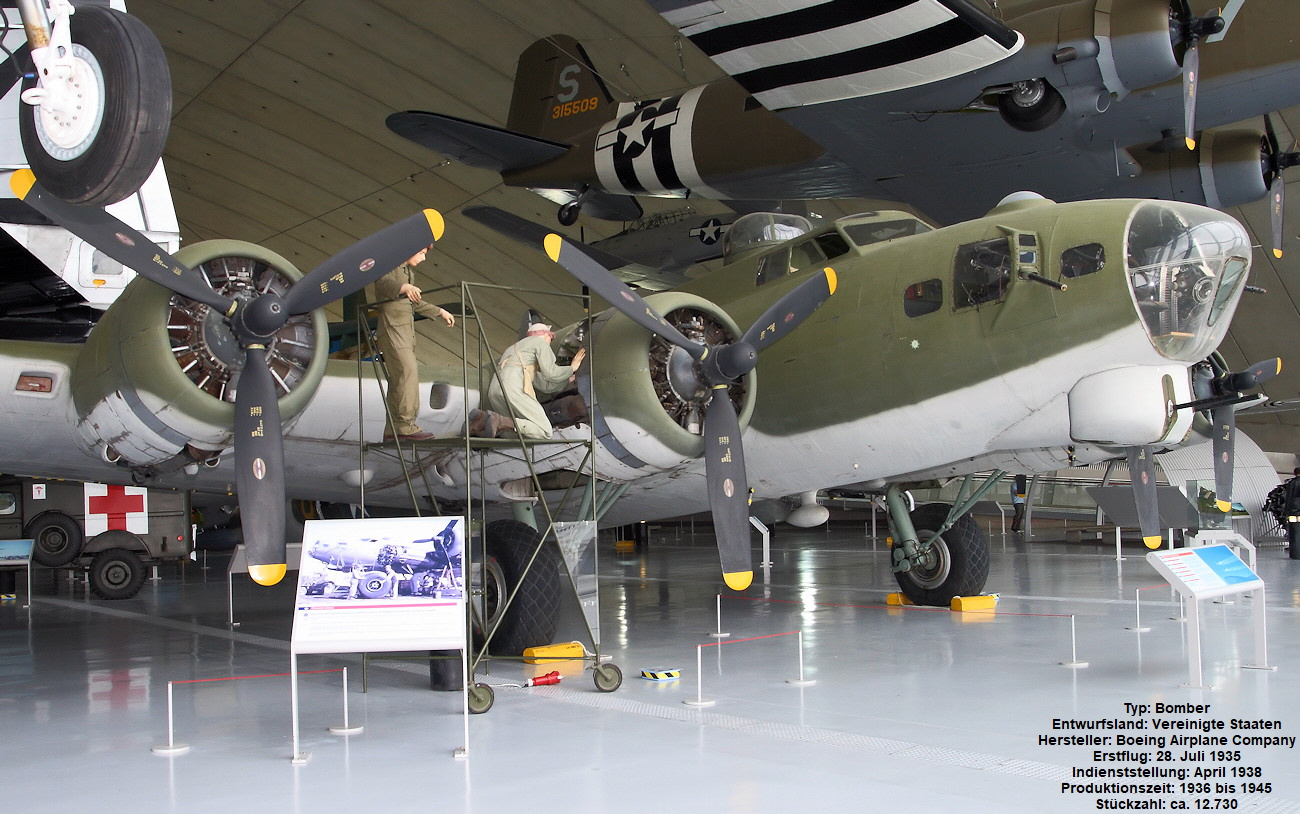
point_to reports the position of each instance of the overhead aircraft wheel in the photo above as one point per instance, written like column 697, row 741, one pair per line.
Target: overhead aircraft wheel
column 100, row 152
column 568, row 214
column 607, row 677
column 116, row 574
column 481, row 697
column 57, row 539
column 1032, row 105
column 958, row 564
column 534, row 613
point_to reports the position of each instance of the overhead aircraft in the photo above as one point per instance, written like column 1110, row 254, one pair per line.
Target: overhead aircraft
column 947, row 105
column 875, row 351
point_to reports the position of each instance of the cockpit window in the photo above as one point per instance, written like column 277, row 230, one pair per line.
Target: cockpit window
column 982, row 273
column 1083, row 260
column 923, row 298
column 1186, row 266
column 864, row 234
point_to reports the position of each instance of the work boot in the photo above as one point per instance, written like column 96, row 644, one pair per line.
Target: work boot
column 482, row 424
column 504, row 425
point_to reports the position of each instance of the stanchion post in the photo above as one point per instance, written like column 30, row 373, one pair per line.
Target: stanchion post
column 172, row 747
column 1137, row 608
column 1074, row 661
column 699, row 700
column 346, row 729
column 719, row 634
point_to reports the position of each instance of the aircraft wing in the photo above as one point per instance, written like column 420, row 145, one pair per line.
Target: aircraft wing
column 808, row 52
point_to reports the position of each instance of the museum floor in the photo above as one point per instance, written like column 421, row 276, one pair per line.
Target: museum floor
column 917, row 710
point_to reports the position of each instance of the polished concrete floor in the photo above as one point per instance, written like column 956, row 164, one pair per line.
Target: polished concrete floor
column 918, row 710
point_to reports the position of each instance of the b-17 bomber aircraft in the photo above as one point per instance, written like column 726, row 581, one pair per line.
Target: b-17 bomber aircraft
column 874, row 352
column 945, row 105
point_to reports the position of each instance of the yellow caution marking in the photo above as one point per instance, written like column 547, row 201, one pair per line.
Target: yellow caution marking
column 267, row 574
column 1152, row 542
column 553, row 242
column 436, row 224
column 661, row 673
column 738, row 580
column 22, row 180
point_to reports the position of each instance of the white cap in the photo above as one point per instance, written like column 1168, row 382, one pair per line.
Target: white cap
column 538, row 327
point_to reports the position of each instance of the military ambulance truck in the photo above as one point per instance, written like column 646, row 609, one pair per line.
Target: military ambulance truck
column 113, row 532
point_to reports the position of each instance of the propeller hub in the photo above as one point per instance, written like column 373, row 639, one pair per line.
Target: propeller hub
column 684, row 378
column 258, row 319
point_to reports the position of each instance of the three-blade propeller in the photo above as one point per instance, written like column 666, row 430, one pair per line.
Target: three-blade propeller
column 715, row 368
column 1276, row 162
column 1219, row 393
column 1190, row 31
column 258, row 442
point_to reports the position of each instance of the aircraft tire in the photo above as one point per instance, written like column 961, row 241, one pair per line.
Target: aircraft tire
column 117, row 154
column 1031, row 118
column 57, row 539
column 375, row 585
column 962, row 564
column 116, row 573
column 534, row 613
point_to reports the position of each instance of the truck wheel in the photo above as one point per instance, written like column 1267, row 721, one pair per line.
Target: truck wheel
column 116, row 574
column 58, row 539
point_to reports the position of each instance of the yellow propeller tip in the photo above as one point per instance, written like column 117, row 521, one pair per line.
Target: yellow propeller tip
column 436, row 224
column 738, row 580
column 1152, row 542
column 552, row 244
column 831, row 280
column 21, row 182
column 1191, row 144
column 1224, row 506
column 267, row 574
column 1276, row 253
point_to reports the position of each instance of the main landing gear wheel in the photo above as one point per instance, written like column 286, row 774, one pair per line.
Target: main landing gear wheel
column 957, row 564
column 534, row 613
column 607, row 677
column 100, row 148
column 481, row 697
column 1031, row 105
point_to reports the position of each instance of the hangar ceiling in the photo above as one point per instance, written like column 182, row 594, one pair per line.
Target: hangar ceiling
column 278, row 137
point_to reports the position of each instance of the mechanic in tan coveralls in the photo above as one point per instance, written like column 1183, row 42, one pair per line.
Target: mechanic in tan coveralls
column 398, row 301
column 526, row 367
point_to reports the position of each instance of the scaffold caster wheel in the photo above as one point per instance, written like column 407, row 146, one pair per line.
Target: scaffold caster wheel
column 480, row 698
column 607, row 677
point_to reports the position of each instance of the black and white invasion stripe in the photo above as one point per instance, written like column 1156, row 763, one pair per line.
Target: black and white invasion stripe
column 801, row 52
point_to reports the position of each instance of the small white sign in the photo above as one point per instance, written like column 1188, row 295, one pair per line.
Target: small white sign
column 38, row 491
column 381, row 584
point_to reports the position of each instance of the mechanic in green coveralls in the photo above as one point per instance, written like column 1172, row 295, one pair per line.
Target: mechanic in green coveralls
column 399, row 301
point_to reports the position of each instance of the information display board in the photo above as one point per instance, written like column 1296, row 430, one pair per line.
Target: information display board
column 379, row 585
column 1205, row 572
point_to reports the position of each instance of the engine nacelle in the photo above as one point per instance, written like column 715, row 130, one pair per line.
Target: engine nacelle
column 1227, row 168
column 159, row 372
column 1137, row 36
column 649, row 411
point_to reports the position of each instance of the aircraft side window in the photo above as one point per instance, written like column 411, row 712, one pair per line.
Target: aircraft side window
column 864, row 234
column 8, row 503
column 833, row 245
column 982, row 273
column 806, row 255
column 773, row 266
column 923, row 298
column 1081, row 260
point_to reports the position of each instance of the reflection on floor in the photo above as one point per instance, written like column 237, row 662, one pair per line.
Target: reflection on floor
column 921, row 710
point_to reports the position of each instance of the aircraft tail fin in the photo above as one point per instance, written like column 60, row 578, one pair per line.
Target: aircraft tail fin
column 558, row 93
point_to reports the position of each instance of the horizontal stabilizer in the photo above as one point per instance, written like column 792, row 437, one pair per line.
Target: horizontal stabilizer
column 472, row 143
column 608, row 206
